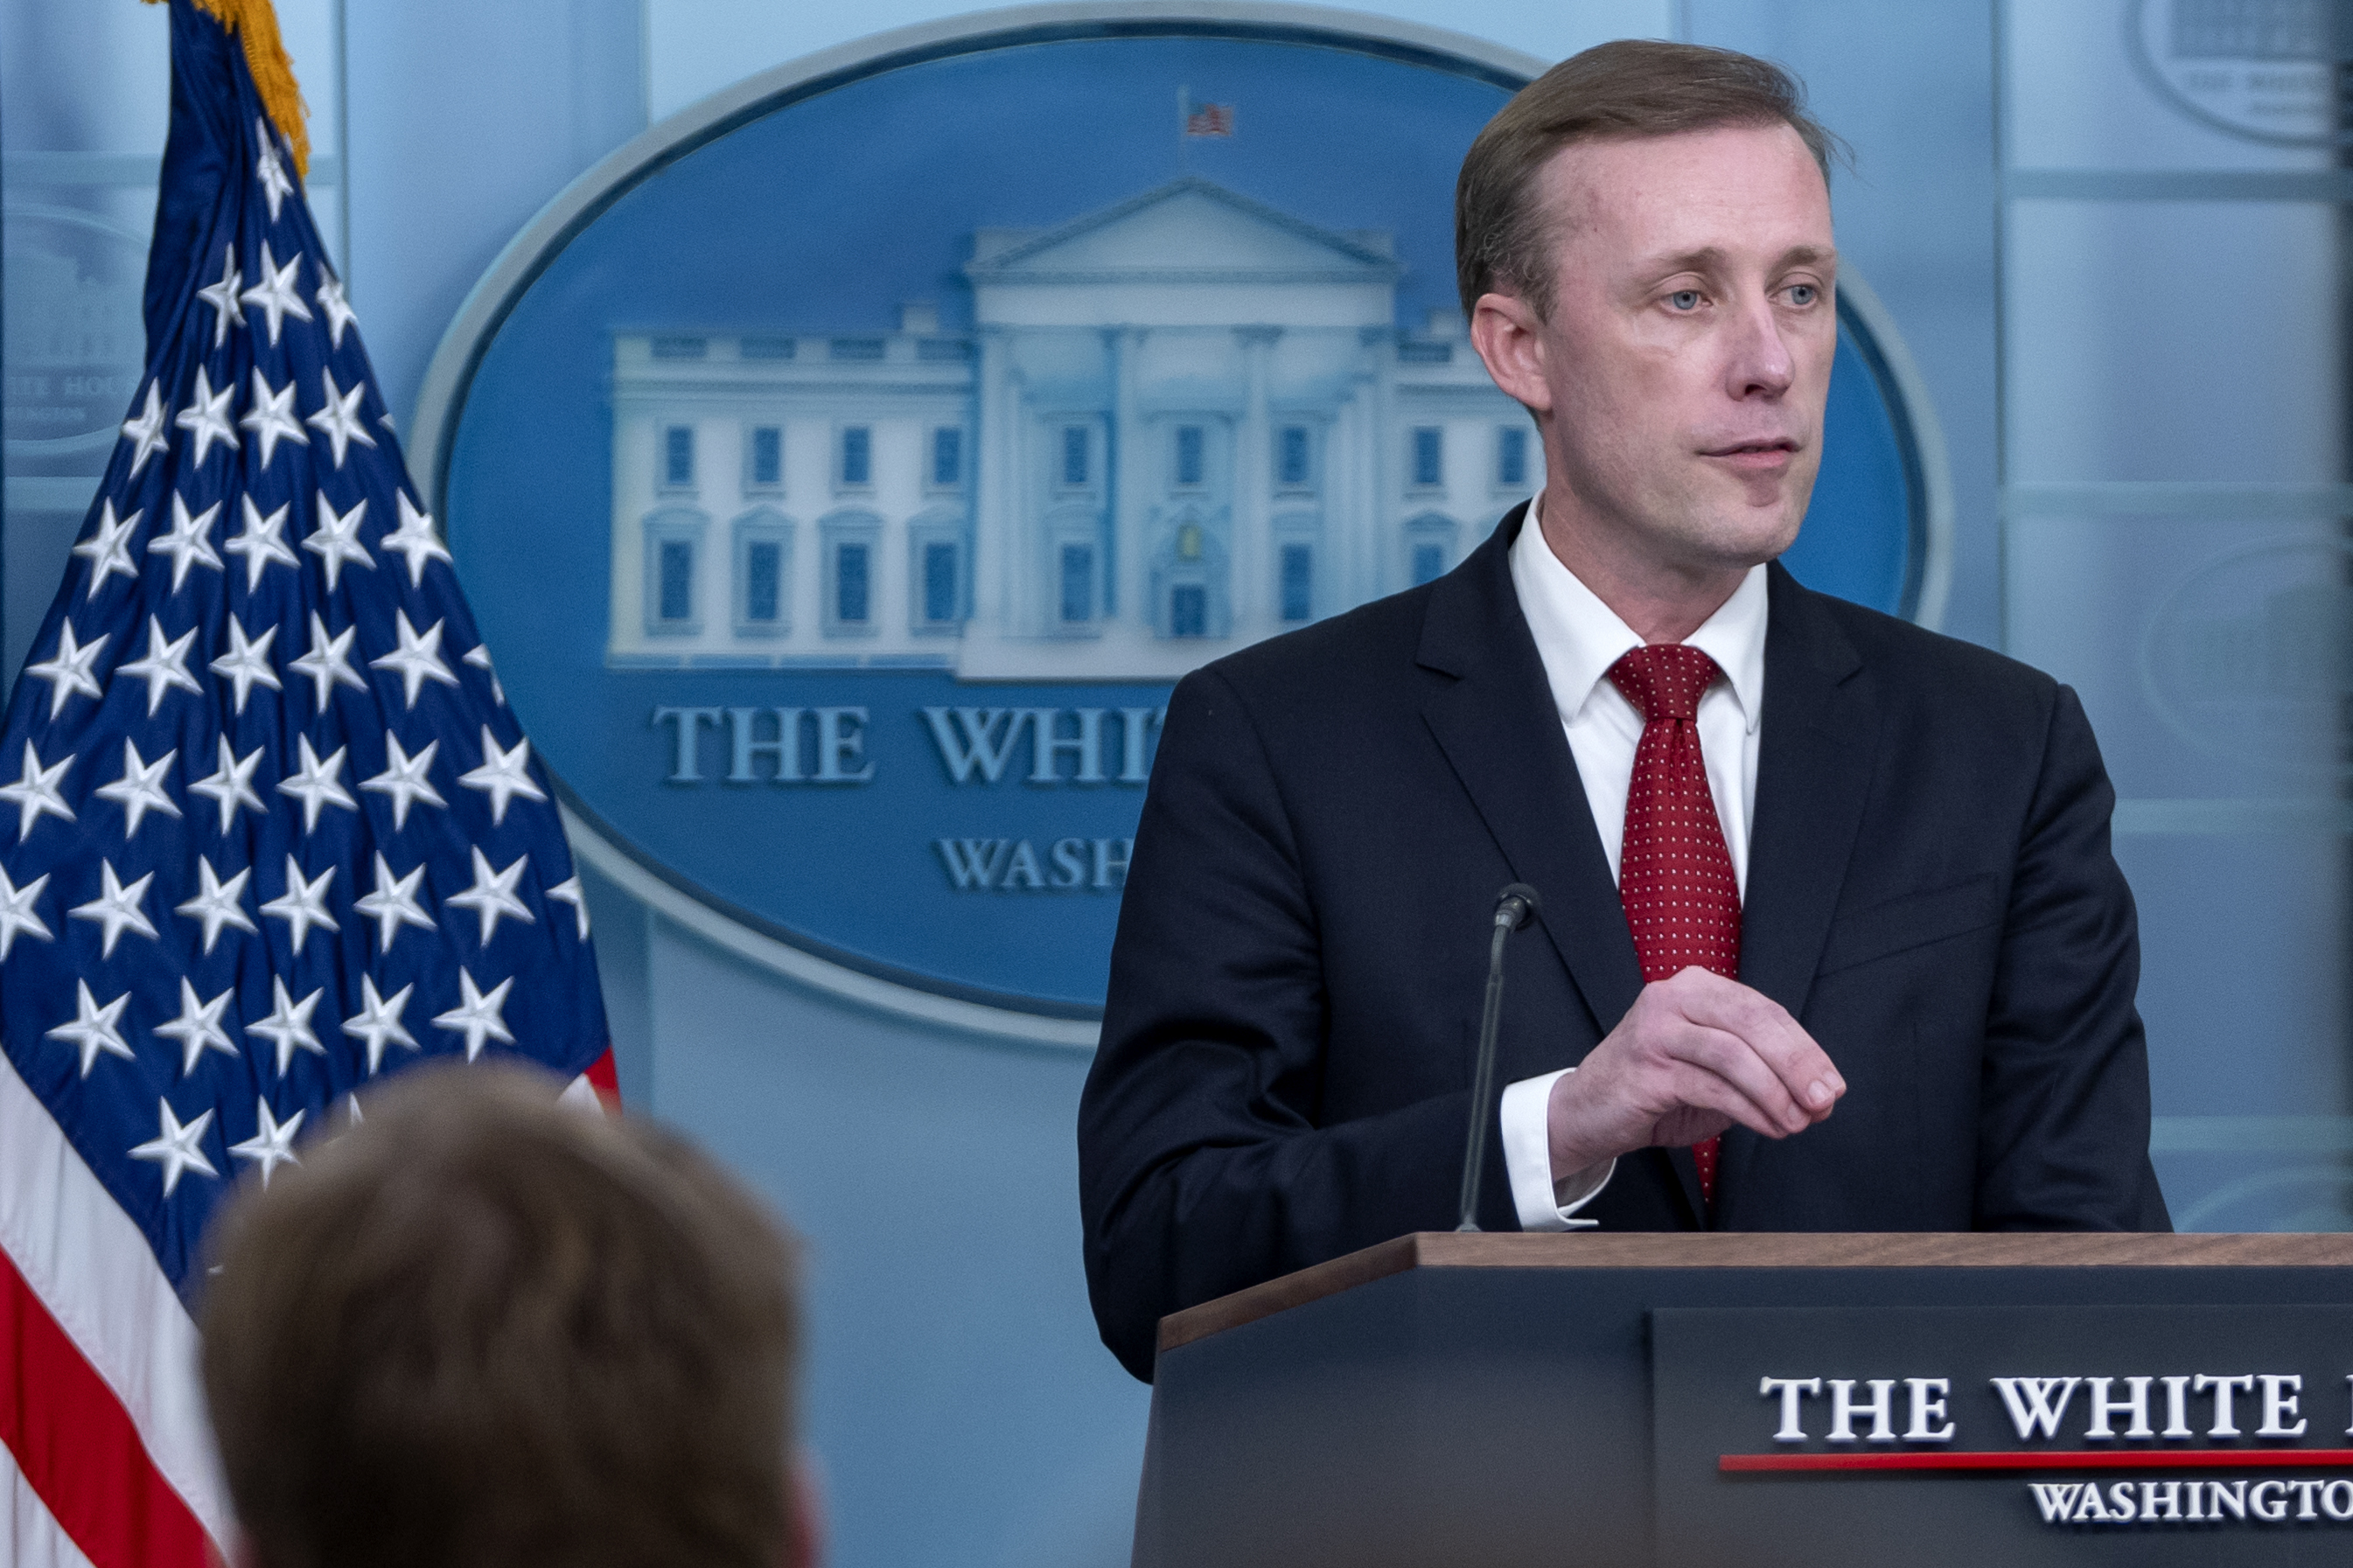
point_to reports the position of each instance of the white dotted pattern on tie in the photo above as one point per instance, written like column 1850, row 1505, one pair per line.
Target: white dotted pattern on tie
column 1674, row 874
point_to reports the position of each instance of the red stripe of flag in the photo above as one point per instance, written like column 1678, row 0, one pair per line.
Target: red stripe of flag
column 2071, row 1459
column 77, row 1448
column 605, row 1079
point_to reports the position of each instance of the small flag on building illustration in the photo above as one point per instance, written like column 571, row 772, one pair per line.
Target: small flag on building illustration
column 1206, row 118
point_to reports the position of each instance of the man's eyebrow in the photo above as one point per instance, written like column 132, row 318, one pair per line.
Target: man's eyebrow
column 1712, row 259
column 1709, row 259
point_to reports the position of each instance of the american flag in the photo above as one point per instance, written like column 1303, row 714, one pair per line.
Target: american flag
column 267, row 831
column 1210, row 120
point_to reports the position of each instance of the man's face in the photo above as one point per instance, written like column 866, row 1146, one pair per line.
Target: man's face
column 1679, row 376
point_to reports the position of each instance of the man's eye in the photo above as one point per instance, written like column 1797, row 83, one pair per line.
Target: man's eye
column 1685, row 299
column 1802, row 294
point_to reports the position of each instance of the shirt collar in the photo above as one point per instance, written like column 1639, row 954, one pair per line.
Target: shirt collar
column 1579, row 637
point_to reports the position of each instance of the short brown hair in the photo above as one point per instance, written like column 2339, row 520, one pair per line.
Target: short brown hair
column 1631, row 88
column 483, row 1328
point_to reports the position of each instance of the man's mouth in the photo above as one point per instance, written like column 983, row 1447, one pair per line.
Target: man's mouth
column 1755, row 457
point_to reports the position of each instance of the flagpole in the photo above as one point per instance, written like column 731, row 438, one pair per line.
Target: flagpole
column 1183, row 118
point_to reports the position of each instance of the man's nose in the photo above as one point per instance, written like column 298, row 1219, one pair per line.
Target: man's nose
column 1759, row 364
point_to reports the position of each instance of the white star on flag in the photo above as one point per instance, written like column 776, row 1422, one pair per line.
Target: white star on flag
column 275, row 188
column 187, row 543
column 569, row 892
column 207, row 416
column 17, row 915
column 477, row 1017
column 339, row 312
column 404, row 779
column 272, row 1143
column 378, row 1023
column 415, row 540
column 502, row 775
column 141, row 788
column 303, row 905
column 68, row 670
column 146, row 429
column 275, row 296
column 336, row 540
column 198, row 1026
column 37, row 792
column 247, row 663
column 494, row 895
column 222, row 297
column 219, row 903
column 165, row 668
column 271, row 418
column 479, row 657
column 106, row 549
column 328, row 663
column 116, row 909
column 232, row 786
column 316, row 785
column 92, row 1028
column 393, row 903
column 175, row 1147
column 417, row 659
column 339, row 418
column 261, row 543
column 288, row 1025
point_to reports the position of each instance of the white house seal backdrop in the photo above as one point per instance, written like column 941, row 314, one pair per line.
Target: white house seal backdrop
column 845, row 469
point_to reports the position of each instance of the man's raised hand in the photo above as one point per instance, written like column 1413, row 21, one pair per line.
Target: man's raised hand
column 1694, row 1054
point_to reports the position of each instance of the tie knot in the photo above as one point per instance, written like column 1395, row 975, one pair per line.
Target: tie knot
column 1663, row 680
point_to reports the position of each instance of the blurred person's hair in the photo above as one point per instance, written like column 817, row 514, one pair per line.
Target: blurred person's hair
column 483, row 1328
column 1615, row 91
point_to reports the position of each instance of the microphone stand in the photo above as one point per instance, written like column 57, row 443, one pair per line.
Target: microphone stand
column 1514, row 907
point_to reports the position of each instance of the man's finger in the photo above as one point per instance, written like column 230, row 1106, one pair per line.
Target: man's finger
column 1691, row 1084
column 1713, row 1002
column 1730, row 1059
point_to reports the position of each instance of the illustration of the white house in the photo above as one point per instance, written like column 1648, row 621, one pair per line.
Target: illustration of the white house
column 1179, row 425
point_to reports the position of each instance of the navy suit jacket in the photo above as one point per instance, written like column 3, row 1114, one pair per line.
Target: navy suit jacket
column 1287, row 1049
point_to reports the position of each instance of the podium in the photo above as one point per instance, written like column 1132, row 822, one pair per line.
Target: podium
column 1727, row 1398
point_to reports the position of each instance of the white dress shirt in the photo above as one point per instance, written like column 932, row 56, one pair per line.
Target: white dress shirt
column 1579, row 637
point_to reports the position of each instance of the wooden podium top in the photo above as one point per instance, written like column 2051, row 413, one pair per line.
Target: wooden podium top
column 1750, row 1249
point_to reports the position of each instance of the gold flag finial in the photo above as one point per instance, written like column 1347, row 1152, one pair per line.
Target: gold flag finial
column 255, row 23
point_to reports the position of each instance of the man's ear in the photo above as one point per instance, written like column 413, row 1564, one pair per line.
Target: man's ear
column 805, row 1539
column 1510, row 339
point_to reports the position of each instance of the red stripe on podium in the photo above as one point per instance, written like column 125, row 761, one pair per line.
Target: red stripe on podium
column 2069, row 1460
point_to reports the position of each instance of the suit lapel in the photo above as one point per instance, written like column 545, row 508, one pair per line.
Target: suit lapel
column 1502, row 734
column 1817, row 752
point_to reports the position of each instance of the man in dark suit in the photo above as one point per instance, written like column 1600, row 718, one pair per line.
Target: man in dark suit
column 1831, row 937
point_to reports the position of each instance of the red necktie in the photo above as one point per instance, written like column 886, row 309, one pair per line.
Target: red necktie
column 1674, row 875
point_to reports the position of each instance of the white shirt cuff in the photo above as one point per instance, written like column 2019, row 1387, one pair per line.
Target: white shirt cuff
column 1543, row 1202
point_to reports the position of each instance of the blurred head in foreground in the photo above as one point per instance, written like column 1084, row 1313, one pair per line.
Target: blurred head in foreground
column 483, row 1328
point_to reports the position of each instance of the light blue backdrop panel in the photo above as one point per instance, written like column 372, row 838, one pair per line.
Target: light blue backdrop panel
column 822, row 215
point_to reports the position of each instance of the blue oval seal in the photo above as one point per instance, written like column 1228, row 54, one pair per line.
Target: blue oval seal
column 845, row 470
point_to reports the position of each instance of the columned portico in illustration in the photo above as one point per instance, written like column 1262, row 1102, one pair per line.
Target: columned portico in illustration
column 1176, row 427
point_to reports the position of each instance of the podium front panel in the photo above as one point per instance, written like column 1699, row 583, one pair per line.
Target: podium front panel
column 1548, row 1415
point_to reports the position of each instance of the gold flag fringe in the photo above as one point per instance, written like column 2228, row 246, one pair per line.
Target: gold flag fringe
column 256, row 24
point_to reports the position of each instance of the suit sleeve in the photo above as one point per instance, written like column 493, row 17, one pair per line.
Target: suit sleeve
column 2062, row 1140
column 1203, row 1165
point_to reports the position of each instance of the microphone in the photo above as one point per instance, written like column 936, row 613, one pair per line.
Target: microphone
column 1514, row 907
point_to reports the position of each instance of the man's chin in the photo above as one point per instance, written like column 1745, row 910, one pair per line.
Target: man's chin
column 1738, row 542
column 1690, row 532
